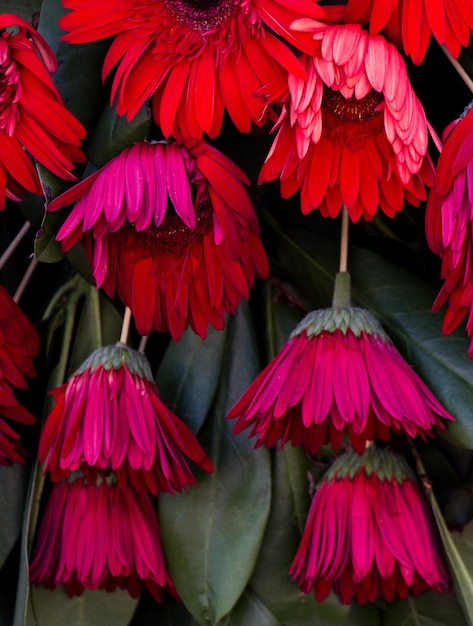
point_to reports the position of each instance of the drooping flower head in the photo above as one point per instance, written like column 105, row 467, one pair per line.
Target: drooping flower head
column 32, row 114
column 449, row 225
column 412, row 24
column 369, row 533
column 109, row 416
column 196, row 58
column 100, row 537
column 338, row 373
column 169, row 228
column 353, row 133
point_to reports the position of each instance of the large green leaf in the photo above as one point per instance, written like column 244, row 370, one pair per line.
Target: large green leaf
column 402, row 302
column 212, row 533
column 459, row 551
column 429, row 609
column 92, row 608
column 250, row 611
column 112, row 134
column 13, row 484
column 271, row 581
column 26, row 9
column 188, row 376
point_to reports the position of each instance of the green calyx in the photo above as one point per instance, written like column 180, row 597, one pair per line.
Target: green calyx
column 387, row 465
column 340, row 316
column 345, row 318
column 117, row 356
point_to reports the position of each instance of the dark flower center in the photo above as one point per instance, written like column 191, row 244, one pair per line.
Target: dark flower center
column 202, row 15
column 351, row 109
column 172, row 236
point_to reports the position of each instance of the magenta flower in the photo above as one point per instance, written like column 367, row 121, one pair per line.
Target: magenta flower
column 109, row 416
column 100, row 537
column 449, row 225
column 169, row 228
column 369, row 533
column 338, row 373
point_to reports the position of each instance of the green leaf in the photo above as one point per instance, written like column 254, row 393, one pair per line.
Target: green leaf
column 169, row 613
column 271, row 582
column 99, row 325
column 113, row 133
column 429, row 609
column 26, row 9
column 82, row 90
column 363, row 615
column 92, row 608
column 188, row 376
column 402, row 302
column 249, row 611
column 212, row 533
column 279, row 321
column 13, row 485
column 459, row 550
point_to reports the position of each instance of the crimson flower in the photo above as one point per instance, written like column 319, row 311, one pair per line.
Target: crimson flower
column 109, row 416
column 449, row 227
column 197, row 59
column 338, row 373
column 412, row 24
column 100, row 537
column 19, row 344
column 353, row 132
column 32, row 114
column 369, row 533
column 170, row 228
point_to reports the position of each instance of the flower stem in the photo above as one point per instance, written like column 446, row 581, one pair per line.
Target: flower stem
column 436, row 139
column 344, row 241
column 341, row 291
column 459, row 69
column 143, row 342
column 25, row 280
column 15, row 241
column 125, row 325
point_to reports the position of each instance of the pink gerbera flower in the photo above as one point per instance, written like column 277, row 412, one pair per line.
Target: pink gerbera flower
column 100, row 537
column 338, row 373
column 170, row 228
column 412, row 23
column 449, row 225
column 369, row 533
column 33, row 118
column 353, row 132
column 197, row 58
column 109, row 416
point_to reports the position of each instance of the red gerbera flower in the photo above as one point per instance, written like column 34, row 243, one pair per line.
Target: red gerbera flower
column 369, row 533
column 100, row 538
column 32, row 113
column 449, row 228
column 11, row 450
column 338, row 372
column 412, row 23
column 353, row 133
column 109, row 416
column 198, row 58
column 19, row 343
column 171, row 229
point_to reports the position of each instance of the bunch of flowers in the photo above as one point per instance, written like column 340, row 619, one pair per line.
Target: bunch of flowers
column 170, row 232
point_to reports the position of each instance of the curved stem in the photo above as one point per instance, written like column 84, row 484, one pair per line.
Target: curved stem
column 24, row 281
column 143, row 342
column 459, row 69
column 13, row 244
